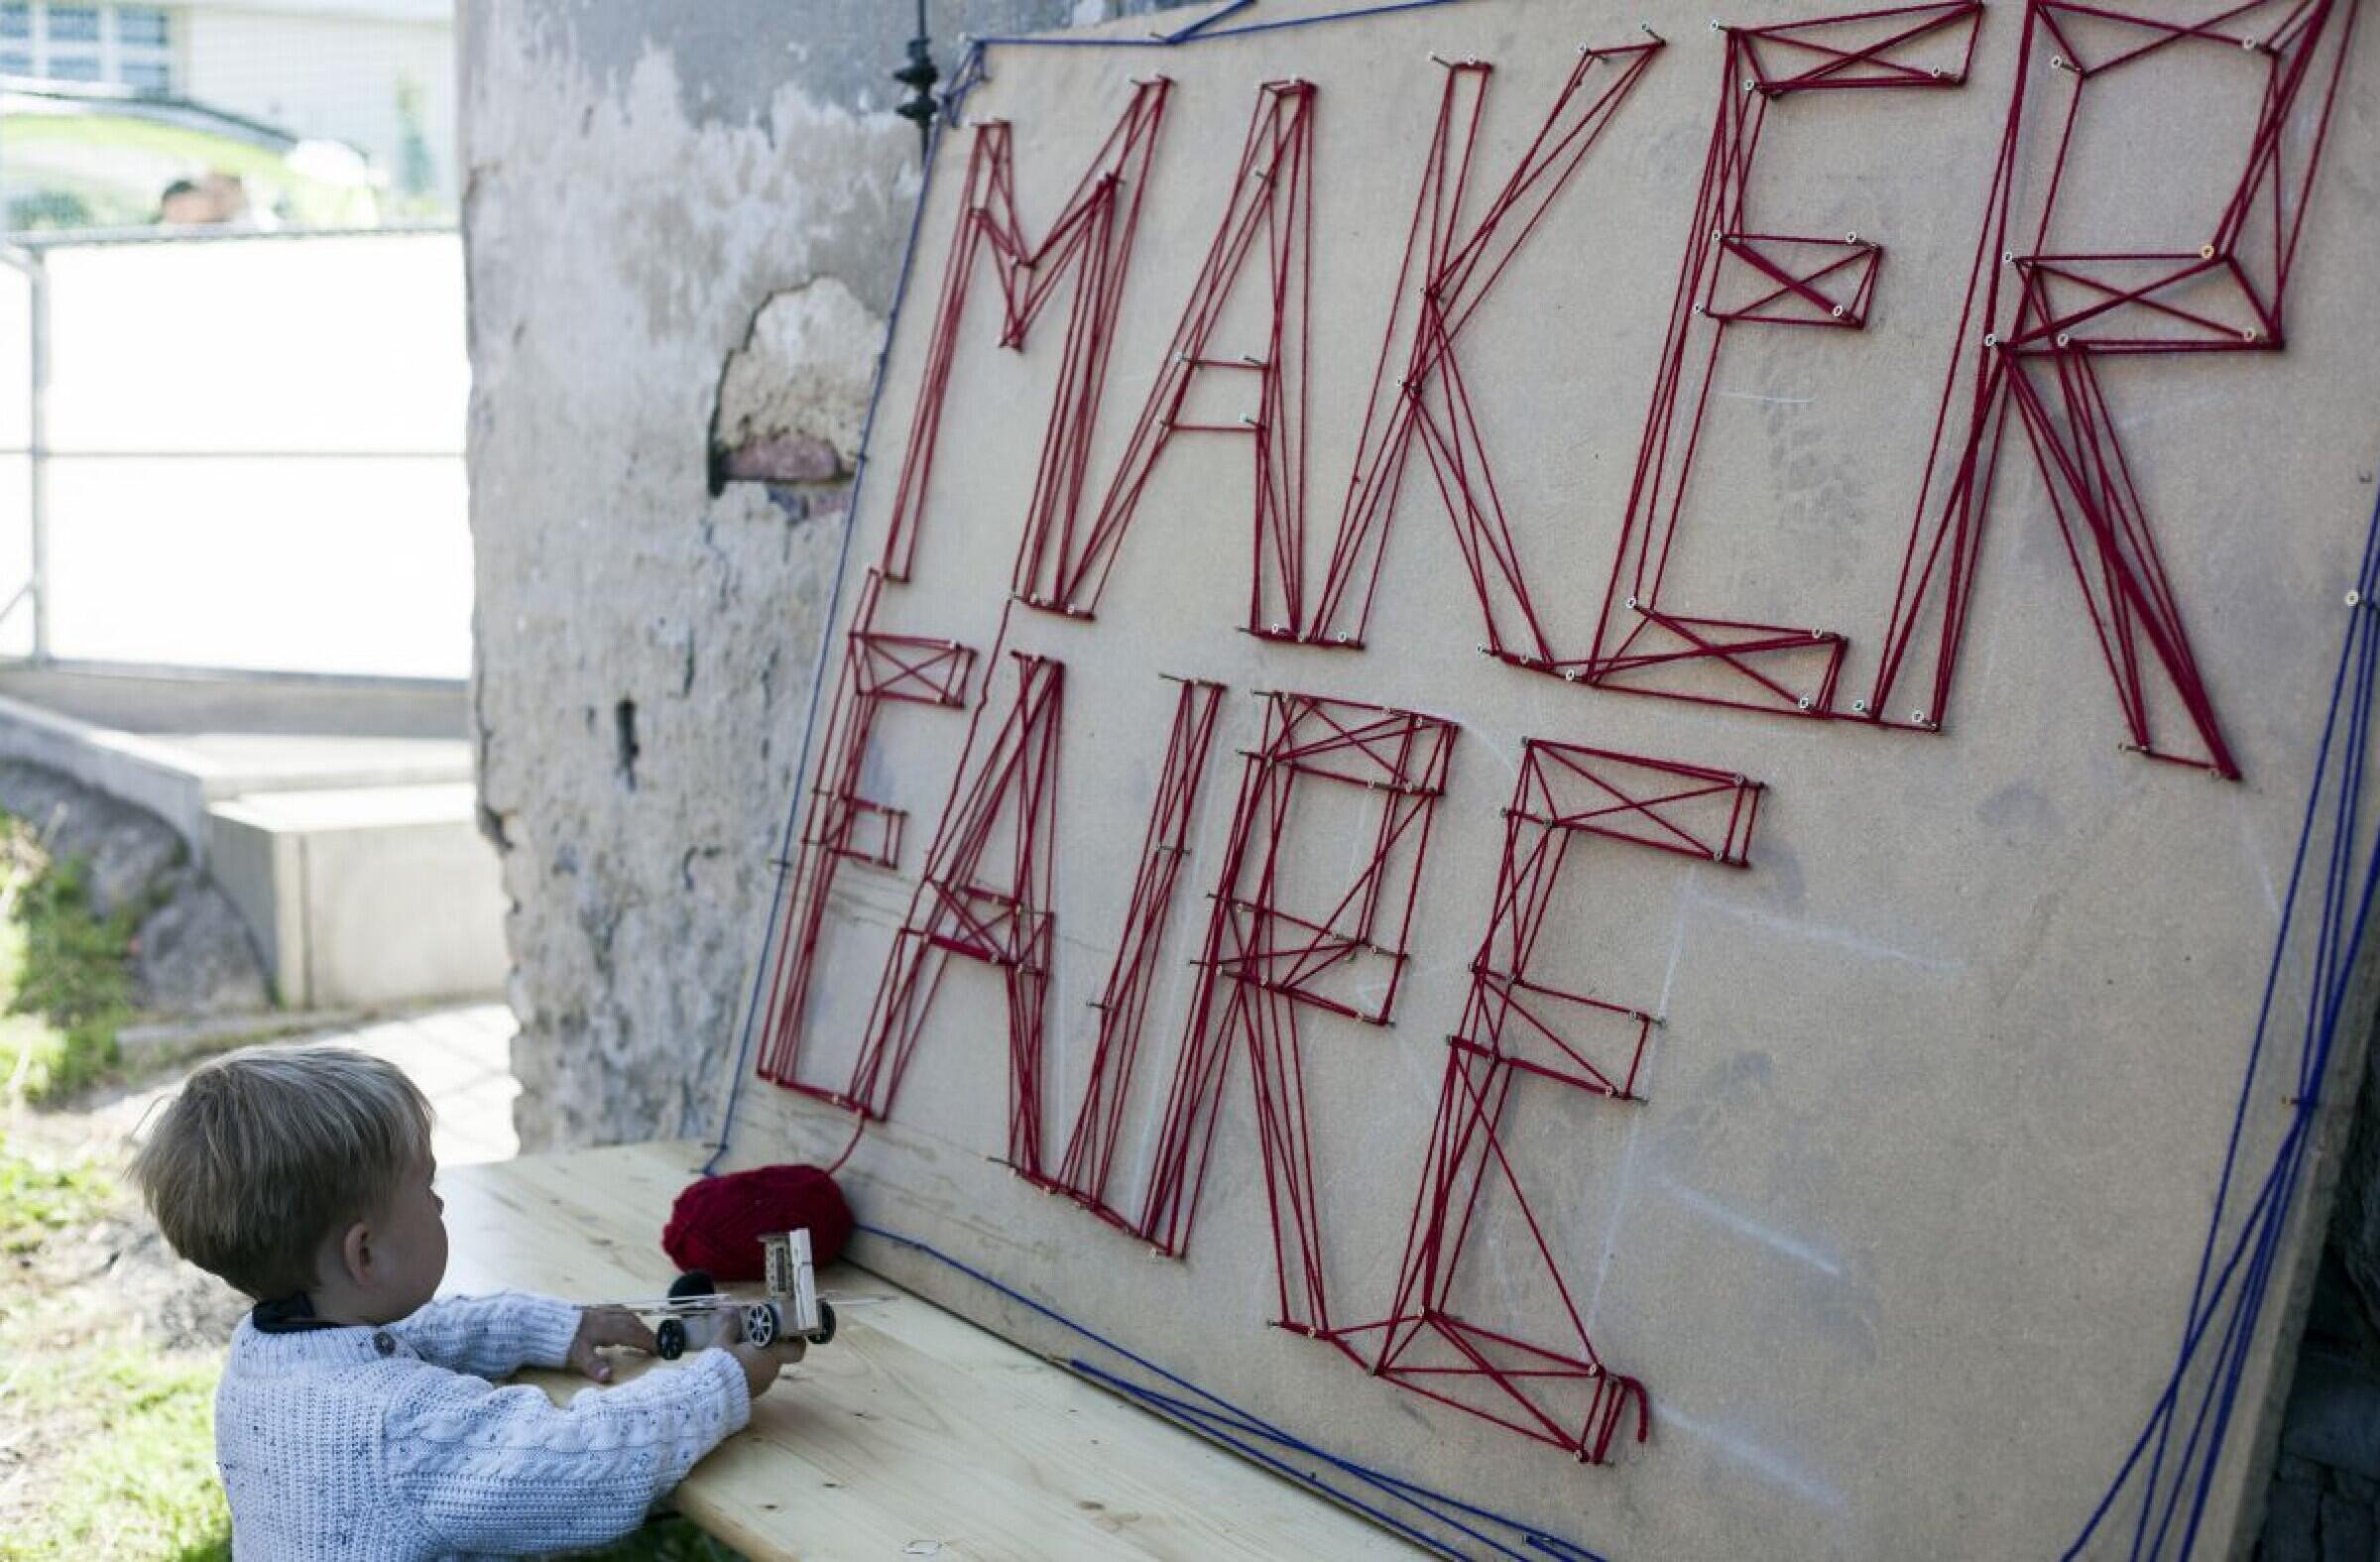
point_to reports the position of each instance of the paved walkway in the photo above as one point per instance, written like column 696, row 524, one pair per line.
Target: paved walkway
column 463, row 1060
column 461, row 1057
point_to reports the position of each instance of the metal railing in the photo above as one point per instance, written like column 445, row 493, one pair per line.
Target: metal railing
column 26, row 260
column 28, row 256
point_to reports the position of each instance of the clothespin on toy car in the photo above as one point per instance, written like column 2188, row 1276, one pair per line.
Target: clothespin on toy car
column 695, row 1312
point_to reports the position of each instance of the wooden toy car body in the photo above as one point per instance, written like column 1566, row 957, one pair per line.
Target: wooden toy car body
column 695, row 1315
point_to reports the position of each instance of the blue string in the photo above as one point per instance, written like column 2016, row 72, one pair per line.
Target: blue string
column 1244, row 1429
column 1199, row 31
column 2233, row 1291
column 1209, row 20
column 969, row 75
column 1209, row 1421
column 2258, row 1238
column 1206, row 1424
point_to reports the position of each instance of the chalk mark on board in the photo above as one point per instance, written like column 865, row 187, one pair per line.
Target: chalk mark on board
column 1759, row 1460
column 1627, row 1152
column 1744, row 1225
column 1841, row 937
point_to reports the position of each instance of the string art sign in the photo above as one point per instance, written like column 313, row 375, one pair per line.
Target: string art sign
column 1862, row 1095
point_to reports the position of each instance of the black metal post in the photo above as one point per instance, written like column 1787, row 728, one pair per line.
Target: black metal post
column 919, row 77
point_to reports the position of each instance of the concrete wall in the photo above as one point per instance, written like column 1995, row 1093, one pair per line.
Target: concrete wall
column 642, row 179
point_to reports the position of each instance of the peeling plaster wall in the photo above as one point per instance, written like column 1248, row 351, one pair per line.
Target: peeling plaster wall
column 641, row 178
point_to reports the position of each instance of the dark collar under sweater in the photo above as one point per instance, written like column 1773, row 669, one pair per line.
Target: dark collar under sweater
column 289, row 1315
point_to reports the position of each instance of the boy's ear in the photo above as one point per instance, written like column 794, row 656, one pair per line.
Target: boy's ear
column 355, row 1252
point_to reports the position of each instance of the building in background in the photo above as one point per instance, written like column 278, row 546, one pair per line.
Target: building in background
column 373, row 75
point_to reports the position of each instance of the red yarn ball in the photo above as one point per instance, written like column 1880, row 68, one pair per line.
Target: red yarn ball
column 717, row 1224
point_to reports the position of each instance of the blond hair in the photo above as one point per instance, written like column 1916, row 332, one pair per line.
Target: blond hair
column 263, row 1154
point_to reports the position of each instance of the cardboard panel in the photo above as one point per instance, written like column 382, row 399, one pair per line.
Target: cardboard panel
column 1861, row 1008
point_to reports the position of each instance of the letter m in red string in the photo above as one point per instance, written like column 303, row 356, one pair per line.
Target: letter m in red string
column 1290, row 931
column 1448, row 1337
column 1090, row 240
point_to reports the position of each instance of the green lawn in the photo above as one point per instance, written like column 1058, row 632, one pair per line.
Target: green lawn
column 66, row 980
column 117, row 1434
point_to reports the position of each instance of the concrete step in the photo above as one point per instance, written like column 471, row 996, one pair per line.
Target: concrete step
column 177, row 775
column 364, row 896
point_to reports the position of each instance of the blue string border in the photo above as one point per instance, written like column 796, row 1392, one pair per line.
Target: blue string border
column 2258, row 1240
column 2235, row 1293
column 1222, row 1421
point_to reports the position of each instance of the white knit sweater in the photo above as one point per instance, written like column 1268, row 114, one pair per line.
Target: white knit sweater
column 364, row 1443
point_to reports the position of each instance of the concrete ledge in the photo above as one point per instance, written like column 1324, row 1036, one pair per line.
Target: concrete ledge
column 364, row 896
column 184, row 700
column 178, row 776
column 116, row 763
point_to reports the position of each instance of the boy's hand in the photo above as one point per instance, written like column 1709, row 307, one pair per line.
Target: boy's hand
column 602, row 1326
column 761, row 1364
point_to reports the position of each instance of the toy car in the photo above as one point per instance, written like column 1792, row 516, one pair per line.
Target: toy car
column 695, row 1313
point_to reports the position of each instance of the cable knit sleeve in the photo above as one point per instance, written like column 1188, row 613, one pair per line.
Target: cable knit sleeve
column 508, row 1471
column 492, row 1336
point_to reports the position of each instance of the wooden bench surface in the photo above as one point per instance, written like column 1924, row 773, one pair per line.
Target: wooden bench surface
column 915, row 1433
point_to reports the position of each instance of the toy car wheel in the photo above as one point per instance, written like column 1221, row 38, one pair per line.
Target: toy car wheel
column 693, row 1282
column 826, row 1323
column 759, row 1325
column 669, row 1339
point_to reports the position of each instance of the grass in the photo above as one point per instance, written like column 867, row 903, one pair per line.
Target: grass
column 113, row 1438
column 65, row 972
column 667, row 1541
column 36, row 1202
column 119, row 1434
column 139, row 1480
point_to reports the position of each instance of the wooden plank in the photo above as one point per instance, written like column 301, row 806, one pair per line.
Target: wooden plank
column 912, row 1426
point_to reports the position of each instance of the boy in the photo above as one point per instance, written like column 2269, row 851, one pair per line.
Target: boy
column 355, row 1417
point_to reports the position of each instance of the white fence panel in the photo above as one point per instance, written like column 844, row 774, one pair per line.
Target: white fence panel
column 255, row 454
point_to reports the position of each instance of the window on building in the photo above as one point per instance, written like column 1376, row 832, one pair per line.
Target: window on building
column 127, row 45
column 140, row 27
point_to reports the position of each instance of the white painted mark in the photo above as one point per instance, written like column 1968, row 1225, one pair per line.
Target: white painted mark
column 1840, row 937
column 1744, row 1225
column 1628, row 1153
column 1677, row 944
column 1768, row 1466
